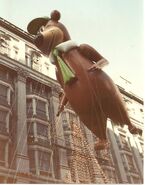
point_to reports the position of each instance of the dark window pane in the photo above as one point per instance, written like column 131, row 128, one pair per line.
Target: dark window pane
column 41, row 105
column 3, row 73
column 2, row 150
column 3, row 92
column 29, row 107
column 42, row 130
column 3, row 115
column 40, row 108
column 44, row 161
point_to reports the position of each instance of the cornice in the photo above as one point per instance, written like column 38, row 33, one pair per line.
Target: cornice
column 130, row 95
column 16, row 30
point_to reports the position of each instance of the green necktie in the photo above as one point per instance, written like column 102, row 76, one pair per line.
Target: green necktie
column 66, row 72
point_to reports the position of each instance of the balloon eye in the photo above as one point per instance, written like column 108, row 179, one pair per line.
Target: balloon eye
column 41, row 29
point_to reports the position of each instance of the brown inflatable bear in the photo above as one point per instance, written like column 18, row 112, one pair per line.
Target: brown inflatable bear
column 89, row 90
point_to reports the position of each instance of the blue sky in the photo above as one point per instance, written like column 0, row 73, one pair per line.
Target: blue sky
column 114, row 27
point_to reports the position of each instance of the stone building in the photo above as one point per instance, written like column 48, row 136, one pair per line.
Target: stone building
column 37, row 147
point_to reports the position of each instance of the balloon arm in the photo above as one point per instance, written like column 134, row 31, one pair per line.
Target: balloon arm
column 90, row 53
column 63, row 102
column 94, row 56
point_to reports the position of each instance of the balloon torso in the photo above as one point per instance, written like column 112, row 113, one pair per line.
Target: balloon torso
column 91, row 94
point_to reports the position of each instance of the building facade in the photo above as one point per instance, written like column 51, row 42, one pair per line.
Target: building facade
column 38, row 147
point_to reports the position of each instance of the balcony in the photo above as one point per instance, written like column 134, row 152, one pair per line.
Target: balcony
column 38, row 93
column 45, row 173
column 39, row 114
column 40, row 142
column 42, row 172
column 43, row 142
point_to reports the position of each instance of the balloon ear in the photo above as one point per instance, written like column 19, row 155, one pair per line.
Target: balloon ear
column 55, row 15
column 36, row 23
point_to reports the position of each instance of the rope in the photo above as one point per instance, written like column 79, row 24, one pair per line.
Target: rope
column 25, row 122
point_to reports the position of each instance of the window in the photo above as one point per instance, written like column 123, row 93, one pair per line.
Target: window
column 3, row 73
column 40, row 108
column 72, row 117
column 6, row 75
column 44, row 161
column 130, row 162
column 34, row 87
column 4, row 44
column 124, row 142
column 29, row 87
column 35, row 61
column 32, row 159
column 64, row 118
column 3, row 115
column 3, row 94
column 44, row 91
column 67, row 140
column 42, row 130
column 38, row 88
column 29, row 107
column 2, row 151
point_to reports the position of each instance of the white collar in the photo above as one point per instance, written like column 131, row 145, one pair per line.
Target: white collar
column 63, row 47
column 66, row 46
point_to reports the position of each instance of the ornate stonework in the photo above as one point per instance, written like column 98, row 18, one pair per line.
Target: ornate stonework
column 55, row 90
column 21, row 74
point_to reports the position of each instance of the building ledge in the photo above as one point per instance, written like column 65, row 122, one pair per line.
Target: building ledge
column 130, row 95
column 27, row 177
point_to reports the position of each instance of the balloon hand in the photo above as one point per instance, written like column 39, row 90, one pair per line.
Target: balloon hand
column 99, row 65
column 60, row 109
